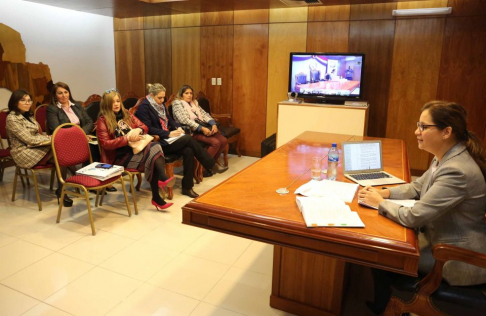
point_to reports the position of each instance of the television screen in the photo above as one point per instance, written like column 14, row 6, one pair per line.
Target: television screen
column 327, row 75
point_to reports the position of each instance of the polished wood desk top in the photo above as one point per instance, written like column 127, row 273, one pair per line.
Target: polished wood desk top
column 247, row 205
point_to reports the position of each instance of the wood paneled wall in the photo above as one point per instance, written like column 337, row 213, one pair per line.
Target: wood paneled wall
column 409, row 61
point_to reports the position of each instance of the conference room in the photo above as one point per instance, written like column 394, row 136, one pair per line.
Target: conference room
column 240, row 248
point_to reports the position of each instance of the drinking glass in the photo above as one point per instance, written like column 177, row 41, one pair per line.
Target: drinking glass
column 316, row 168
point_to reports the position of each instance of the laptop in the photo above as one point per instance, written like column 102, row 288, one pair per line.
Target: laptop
column 363, row 163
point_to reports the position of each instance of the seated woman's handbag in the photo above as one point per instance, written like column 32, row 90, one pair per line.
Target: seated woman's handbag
column 202, row 123
column 137, row 146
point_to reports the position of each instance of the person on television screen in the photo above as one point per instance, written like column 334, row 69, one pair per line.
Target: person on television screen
column 349, row 73
column 450, row 198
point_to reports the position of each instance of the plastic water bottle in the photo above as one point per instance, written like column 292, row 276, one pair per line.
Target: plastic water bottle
column 332, row 162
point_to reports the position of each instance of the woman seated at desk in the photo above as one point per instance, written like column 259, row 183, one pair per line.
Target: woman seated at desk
column 116, row 127
column 451, row 197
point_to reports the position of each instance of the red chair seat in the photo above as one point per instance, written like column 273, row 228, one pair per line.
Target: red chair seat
column 89, row 181
column 43, row 166
column 4, row 153
column 131, row 170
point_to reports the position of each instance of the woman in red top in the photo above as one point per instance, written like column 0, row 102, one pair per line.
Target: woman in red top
column 115, row 128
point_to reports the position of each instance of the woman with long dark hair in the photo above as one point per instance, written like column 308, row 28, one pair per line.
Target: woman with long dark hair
column 451, row 197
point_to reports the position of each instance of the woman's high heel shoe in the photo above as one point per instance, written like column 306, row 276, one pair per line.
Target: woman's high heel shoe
column 162, row 207
column 67, row 202
column 167, row 183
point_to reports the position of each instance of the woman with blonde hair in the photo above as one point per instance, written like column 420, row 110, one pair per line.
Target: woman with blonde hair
column 153, row 114
column 116, row 127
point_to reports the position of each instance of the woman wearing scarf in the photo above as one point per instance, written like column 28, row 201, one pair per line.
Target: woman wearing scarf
column 188, row 112
column 152, row 113
column 116, row 127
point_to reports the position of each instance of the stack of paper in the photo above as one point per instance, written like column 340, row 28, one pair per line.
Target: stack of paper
column 324, row 204
column 319, row 211
column 100, row 173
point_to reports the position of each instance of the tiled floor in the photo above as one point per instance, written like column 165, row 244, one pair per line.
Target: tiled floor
column 148, row 264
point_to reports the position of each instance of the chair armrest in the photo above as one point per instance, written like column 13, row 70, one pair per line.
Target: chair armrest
column 443, row 253
column 223, row 119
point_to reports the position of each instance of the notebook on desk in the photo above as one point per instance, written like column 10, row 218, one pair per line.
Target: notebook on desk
column 363, row 163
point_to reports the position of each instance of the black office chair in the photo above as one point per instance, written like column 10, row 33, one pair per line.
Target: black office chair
column 431, row 296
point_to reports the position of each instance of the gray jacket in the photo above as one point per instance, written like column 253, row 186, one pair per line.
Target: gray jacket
column 451, row 207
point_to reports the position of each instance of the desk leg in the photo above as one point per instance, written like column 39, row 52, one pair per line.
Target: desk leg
column 306, row 283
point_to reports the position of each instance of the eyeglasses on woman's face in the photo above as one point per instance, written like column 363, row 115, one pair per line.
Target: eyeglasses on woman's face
column 26, row 101
column 422, row 127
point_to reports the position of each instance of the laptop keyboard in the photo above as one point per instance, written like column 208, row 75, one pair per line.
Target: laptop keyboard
column 370, row 176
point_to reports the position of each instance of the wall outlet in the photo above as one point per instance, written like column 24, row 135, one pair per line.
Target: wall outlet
column 219, row 81
column 213, row 81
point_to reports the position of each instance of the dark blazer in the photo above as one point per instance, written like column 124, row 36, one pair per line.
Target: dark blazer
column 57, row 116
column 149, row 116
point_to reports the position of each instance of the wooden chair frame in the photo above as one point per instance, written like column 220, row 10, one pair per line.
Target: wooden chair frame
column 92, row 98
column 421, row 303
column 82, row 188
column 6, row 161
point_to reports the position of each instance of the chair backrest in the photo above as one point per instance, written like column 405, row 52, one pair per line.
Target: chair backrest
column 93, row 110
column 92, row 98
column 70, row 145
column 129, row 100
column 40, row 115
column 3, row 126
column 134, row 108
column 204, row 104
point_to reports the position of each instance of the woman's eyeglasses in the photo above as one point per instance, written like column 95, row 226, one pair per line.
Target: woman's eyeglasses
column 26, row 101
column 111, row 90
column 423, row 127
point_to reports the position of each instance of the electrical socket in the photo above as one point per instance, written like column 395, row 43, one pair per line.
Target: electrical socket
column 219, row 81
column 213, row 81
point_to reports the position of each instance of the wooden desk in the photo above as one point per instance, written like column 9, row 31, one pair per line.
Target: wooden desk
column 309, row 263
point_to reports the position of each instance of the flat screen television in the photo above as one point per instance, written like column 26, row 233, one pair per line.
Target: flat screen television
column 327, row 76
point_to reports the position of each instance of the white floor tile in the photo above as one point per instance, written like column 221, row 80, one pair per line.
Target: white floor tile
column 14, row 303
column 140, row 260
column 45, row 277
column 151, row 300
column 205, row 309
column 6, row 239
column 189, row 276
column 258, row 257
column 45, row 310
column 173, row 236
column 18, row 255
column 95, row 293
column 218, row 247
column 96, row 249
column 134, row 227
column 59, row 235
column 244, row 292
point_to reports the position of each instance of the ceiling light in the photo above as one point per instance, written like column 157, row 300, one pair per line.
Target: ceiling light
column 424, row 11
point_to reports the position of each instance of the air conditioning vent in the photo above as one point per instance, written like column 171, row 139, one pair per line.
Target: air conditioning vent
column 301, row 3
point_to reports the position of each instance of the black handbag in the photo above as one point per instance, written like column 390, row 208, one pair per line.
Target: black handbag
column 202, row 123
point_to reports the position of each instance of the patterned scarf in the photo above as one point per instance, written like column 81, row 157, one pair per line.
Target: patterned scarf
column 159, row 108
column 193, row 110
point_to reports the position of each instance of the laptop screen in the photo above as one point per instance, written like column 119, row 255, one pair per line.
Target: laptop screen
column 362, row 156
